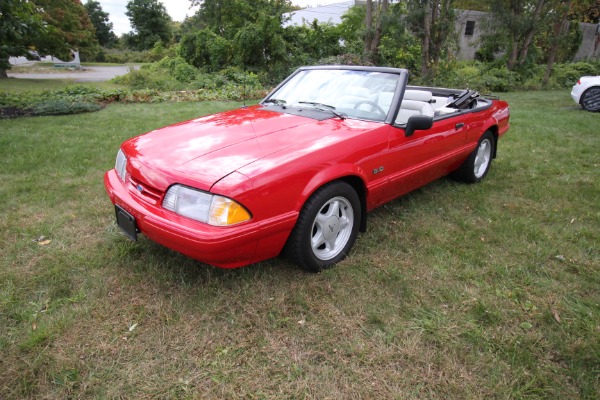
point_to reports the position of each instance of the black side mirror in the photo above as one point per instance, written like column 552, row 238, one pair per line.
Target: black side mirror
column 418, row 123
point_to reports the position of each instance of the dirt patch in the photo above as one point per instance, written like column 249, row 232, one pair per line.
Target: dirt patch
column 15, row 112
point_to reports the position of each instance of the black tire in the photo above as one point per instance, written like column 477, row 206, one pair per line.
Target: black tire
column 477, row 165
column 326, row 228
column 590, row 99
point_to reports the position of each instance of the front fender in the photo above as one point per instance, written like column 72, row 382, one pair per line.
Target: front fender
column 330, row 174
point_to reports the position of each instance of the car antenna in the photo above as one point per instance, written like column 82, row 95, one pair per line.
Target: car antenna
column 244, row 90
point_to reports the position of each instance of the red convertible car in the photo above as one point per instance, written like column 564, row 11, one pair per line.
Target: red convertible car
column 299, row 171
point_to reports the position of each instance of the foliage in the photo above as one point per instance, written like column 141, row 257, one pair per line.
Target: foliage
column 586, row 11
column 205, row 49
column 20, row 24
column 99, row 19
column 258, row 45
column 227, row 17
column 68, row 28
column 175, row 74
column 398, row 47
column 565, row 75
column 62, row 107
column 178, row 69
column 352, row 29
column 150, row 22
column 310, row 43
column 170, row 80
column 432, row 22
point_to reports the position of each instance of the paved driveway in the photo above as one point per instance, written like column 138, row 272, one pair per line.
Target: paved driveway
column 90, row 74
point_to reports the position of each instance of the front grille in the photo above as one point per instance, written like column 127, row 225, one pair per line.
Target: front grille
column 145, row 191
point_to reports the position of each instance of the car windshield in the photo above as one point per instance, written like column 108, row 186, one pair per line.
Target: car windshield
column 352, row 93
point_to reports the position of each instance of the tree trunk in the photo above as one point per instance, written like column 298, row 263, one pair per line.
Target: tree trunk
column 530, row 32
column 426, row 39
column 3, row 74
column 369, row 29
column 560, row 28
column 382, row 11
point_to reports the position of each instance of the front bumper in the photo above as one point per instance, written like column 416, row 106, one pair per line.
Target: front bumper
column 225, row 247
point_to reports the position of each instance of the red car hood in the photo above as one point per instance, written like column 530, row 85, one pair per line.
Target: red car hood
column 203, row 150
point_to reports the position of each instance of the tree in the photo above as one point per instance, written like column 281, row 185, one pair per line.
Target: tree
column 520, row 20
column 99, row 19
column 373, row 34
column 151, row 23
column 205, row 49
column 21, row 23
column 432, row 21
column 560, row 25
column 586, row 11
column 50, row 26
column 227, row 17
column 68, row 27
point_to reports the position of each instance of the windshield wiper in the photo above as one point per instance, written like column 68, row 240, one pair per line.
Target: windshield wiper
column 277, row 102
column 324, row 107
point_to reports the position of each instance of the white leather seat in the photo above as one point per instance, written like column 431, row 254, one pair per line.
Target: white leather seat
column 408, row 108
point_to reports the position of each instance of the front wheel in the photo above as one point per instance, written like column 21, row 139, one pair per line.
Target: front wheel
column 477, row 165
column 327, row 227
column 590, row 99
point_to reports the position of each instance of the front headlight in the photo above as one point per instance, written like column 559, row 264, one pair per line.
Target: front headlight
column 121, row 165
column 204, row 207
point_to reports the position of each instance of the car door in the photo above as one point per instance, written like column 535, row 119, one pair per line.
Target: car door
column 425, row 156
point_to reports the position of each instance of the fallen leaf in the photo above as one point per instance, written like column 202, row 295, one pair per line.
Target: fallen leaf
column 556, row 316
column 132, row 327
column 45, row 242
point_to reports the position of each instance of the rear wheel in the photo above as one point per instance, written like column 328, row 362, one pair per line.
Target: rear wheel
column 590, row 99
column 477, row 165
column 327, row 227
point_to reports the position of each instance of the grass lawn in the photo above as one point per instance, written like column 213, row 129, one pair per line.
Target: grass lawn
column 456, row 291
column 19, row 85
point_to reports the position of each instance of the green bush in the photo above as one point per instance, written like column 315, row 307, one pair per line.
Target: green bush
column 566, row 75
column 177, row 67
column 63, row 107
column 205, row 49
column 149, row 78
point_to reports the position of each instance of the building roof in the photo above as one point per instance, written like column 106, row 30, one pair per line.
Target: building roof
column 331, row 13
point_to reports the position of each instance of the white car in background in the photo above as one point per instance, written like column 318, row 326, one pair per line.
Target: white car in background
column 586, row 92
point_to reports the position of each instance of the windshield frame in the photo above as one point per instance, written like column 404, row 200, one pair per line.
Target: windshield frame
column 391, row 112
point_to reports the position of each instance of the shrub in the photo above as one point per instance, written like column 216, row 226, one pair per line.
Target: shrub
column 178, row 68
column 566, row 75
column 149, row 78
column 205, row 49
column 63, row 107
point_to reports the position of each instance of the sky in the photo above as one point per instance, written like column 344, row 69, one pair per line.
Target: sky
column 177, row 9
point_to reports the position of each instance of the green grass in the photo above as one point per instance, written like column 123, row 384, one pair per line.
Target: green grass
column 19, row 85
column 456, row 291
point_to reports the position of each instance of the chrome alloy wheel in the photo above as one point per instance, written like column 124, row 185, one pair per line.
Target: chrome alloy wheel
column 332, row 228
column 483, row 158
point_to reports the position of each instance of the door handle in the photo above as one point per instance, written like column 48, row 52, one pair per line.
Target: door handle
column 459, row 125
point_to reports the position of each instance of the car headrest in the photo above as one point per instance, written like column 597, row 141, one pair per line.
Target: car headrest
column 419, row 95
